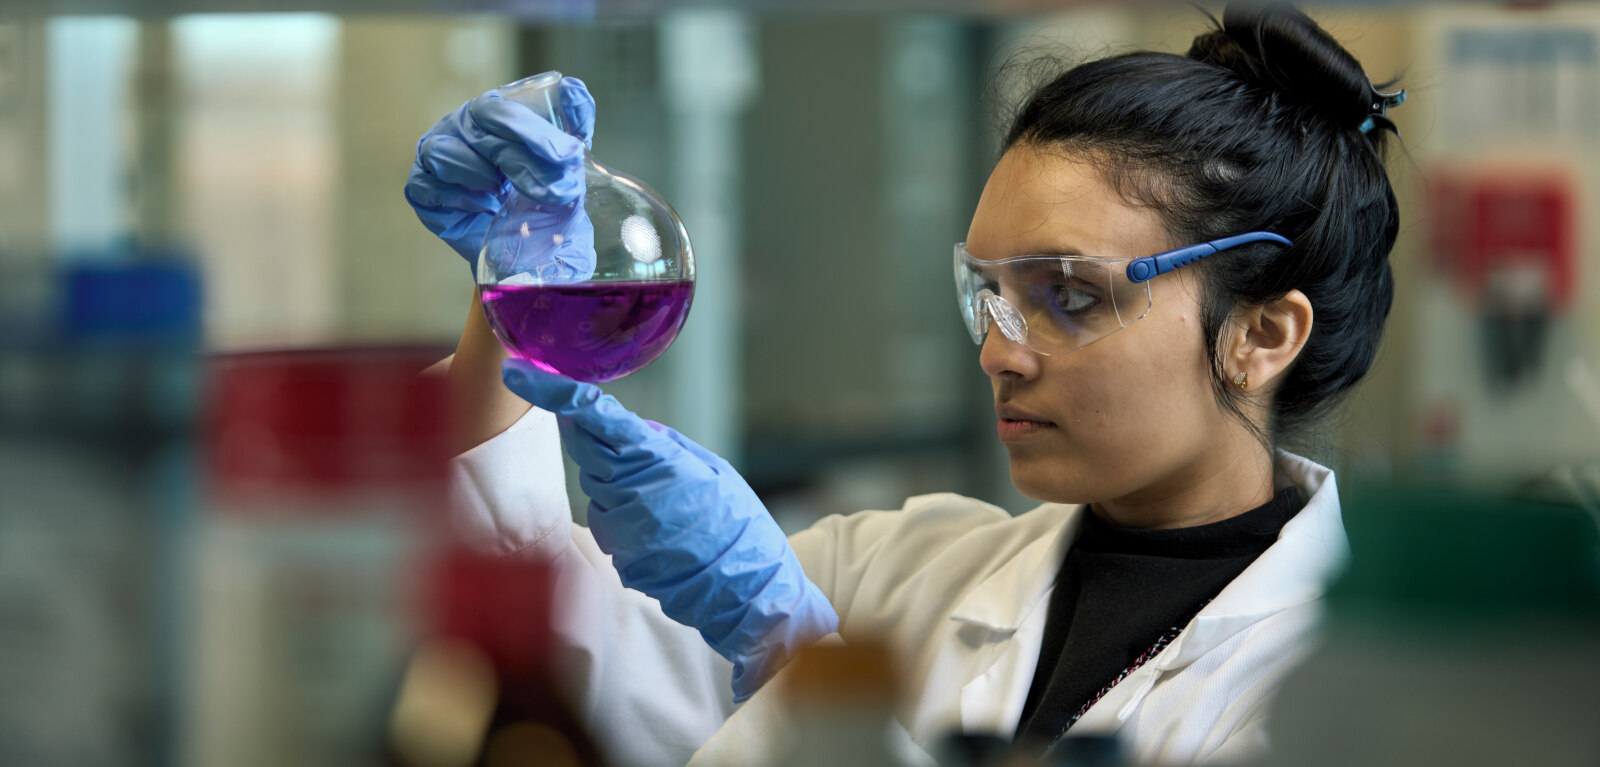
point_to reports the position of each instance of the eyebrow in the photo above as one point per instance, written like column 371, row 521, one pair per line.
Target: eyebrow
column 1087, row 271
column 1063, row 247
column 1059, row 250
column 1065, row 252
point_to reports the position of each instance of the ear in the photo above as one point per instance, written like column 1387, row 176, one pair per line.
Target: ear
column 1266, row 339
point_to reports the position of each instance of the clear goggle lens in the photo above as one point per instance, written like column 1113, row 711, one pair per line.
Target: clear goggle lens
column 1050, row 304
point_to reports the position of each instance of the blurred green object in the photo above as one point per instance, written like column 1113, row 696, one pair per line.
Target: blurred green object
column 1466, row 631
column 1446, row 557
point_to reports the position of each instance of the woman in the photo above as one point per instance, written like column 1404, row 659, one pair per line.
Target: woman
column 1171, row 577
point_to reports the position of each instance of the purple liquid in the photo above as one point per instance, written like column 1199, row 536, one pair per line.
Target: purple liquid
column 596, row 331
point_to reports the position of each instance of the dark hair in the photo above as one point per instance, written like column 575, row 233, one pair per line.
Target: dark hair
column 1257, row 128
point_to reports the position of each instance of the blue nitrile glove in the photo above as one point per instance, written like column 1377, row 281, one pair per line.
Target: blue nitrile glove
column 470, row 160
column 682, row 526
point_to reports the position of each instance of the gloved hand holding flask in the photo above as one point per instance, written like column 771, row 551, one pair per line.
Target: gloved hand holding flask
column 682, row 526
column 679, row 522
column 469, row 162
column 583, row 269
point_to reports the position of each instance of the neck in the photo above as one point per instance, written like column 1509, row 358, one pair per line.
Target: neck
column 1219, row 485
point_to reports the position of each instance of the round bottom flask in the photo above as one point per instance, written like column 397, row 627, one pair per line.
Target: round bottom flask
column 594, row 289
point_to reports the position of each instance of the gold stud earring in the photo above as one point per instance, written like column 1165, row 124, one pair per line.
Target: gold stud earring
column 1242, row 380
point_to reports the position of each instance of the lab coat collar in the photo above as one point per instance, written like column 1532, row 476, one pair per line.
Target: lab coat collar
column 1007, row 604
column 1008, row 595
column 1309, row 552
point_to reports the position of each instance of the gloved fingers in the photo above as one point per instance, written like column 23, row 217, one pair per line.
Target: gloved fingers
column 436, row 219
column 716, row 462
column 803, row 620
column 577, row 109
column 555, row 183
column 465, row 234
column 595, row 413
column 452, row 161
column 498, row 116
column 540, row 160
column 595, row 462
column 426, row 190
column 605, row 472
column 574, row 258
column 462, row 230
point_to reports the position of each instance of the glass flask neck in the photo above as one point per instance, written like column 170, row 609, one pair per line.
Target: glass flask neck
column 538, row 92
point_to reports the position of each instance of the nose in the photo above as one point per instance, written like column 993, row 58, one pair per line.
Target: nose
column 1002, row 357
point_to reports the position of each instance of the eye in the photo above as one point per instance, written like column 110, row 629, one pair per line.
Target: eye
column 1073, row 301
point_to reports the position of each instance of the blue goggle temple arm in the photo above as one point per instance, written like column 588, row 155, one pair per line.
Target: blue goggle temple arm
column 1141, row 269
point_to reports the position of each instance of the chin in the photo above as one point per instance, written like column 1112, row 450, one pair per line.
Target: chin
column 1049, row 481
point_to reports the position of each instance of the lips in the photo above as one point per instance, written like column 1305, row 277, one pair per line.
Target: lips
column 1017, row 424
column 1014, row 413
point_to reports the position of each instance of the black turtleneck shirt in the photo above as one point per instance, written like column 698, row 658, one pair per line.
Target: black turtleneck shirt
column 1120, row 590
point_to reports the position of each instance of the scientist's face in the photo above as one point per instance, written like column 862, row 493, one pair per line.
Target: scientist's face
column 1131, row 417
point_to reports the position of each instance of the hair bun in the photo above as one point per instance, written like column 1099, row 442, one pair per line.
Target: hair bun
column 1281, row 48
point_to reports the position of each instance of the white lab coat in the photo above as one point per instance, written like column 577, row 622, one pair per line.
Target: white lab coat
column 959, row 588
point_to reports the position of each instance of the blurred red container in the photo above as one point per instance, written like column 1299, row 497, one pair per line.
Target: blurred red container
column 317, row 422
column 323, row 498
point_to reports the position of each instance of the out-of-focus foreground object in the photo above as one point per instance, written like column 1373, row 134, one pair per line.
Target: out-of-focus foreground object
column 1466, row 632
column 322, row 491
column 970, row 750
column 841, row 700
column 482, row 688
column 96, row 393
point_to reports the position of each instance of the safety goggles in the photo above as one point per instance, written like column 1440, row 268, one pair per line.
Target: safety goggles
column 1060, row 304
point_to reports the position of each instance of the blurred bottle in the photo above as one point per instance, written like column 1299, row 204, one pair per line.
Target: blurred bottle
column 1087, row 751
column 968, row 750
column 97, row 369
column 323, row 486
column 1466, row 632
column 841, row 701
column 481, row 690
column 962, row 749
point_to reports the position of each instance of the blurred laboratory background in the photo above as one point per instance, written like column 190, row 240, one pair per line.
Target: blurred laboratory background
column 184, row 195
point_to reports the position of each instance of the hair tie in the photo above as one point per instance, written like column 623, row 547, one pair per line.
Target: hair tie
column 1381, row 103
